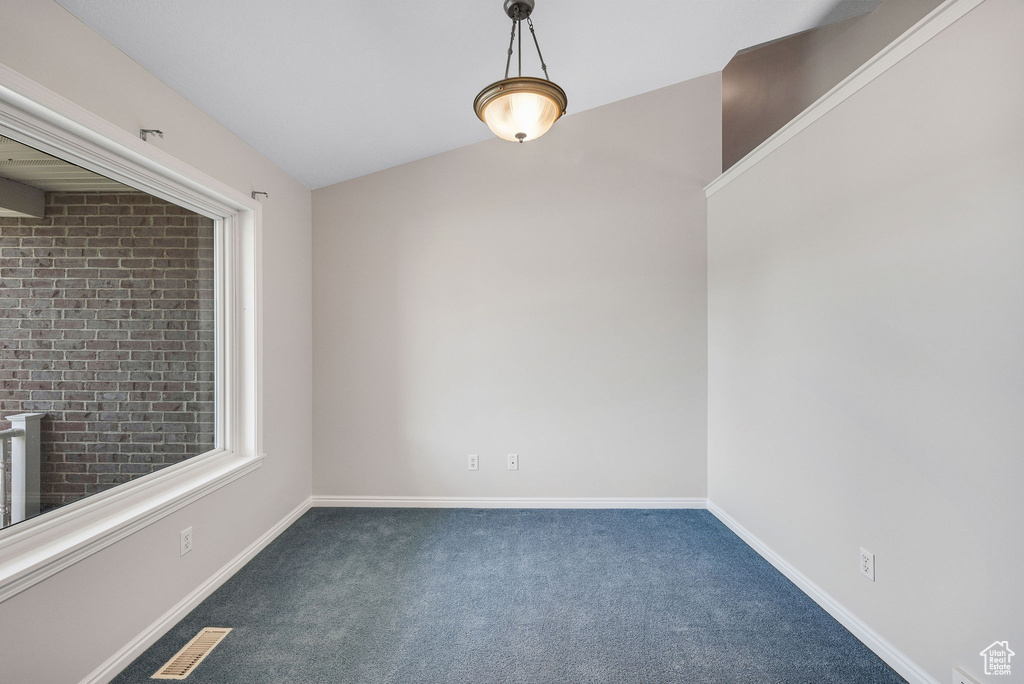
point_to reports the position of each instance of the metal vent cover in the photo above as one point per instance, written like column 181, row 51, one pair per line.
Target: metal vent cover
column 29, row 162
column 187, row 659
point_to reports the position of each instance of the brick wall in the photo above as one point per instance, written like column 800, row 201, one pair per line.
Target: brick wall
column 106, row 325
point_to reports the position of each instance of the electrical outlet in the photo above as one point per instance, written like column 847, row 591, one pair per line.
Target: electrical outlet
column 961, row 677
column 474, row 462
column 867, row 564
column 513, row 461
column 186, row 541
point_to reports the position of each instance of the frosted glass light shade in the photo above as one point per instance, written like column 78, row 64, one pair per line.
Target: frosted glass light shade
column 521, row 108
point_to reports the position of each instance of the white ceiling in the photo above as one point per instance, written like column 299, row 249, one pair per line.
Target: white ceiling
column 334, row 89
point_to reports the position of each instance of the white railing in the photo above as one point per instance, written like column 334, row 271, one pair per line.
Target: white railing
column 19, row 446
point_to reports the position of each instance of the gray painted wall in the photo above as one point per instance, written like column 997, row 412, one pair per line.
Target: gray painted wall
column 763, row 89
column 546, row 299
column 866, row 328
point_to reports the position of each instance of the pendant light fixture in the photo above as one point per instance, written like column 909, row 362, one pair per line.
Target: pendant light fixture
column 520, row 108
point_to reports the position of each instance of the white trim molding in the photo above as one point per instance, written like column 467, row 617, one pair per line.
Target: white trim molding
column 879, row 645
column 137, row 646
column 894, row 658
column 41, row 547
column 941, row 18
column 37, row 548
column 502, row 502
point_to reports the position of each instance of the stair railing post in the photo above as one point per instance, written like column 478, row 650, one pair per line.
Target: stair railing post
column 25, row 476
column 4, row 456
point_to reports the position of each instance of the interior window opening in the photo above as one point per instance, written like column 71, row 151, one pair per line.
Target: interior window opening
column 108, row 333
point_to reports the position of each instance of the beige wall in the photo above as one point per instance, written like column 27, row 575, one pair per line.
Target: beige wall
column 60, row 630
column 552, row 299
column 546, row 299
column 866, row 328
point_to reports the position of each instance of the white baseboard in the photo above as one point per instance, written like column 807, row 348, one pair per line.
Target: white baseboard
column 503, row 502
column 909, row 670
column 903, row 665
column 134, row 648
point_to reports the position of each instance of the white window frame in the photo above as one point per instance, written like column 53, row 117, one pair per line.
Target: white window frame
column 37, row 548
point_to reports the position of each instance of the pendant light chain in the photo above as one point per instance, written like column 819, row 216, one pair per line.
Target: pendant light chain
column 511, row 42
column 534, row 34
column 519, row 24
column 517, row 27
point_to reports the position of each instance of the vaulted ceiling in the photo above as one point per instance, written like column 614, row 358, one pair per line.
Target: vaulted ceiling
column 335, row 89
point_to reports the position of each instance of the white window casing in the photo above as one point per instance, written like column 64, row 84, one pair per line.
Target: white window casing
column 37, row 548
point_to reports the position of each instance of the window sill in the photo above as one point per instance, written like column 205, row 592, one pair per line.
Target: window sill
column 38, row 548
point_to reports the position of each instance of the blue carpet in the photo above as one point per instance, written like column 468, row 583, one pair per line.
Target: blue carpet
column 406, row 596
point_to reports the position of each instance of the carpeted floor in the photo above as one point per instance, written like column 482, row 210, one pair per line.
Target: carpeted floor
column 409, row 596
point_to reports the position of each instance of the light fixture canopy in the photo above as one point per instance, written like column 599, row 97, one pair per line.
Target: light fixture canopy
column 520, row 108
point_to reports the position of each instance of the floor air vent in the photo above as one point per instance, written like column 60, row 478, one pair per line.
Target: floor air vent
column 187, row 659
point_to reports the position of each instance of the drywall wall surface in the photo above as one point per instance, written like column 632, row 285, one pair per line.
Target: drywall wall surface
column 62, row 629
column 866, row 324
column 546, row 299
column 766, row 87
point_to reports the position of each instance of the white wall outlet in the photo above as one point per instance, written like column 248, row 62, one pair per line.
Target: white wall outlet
column 474, row 462
column 513, row 461
column 186, row 541
column 961, row 677
column 867, row 564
